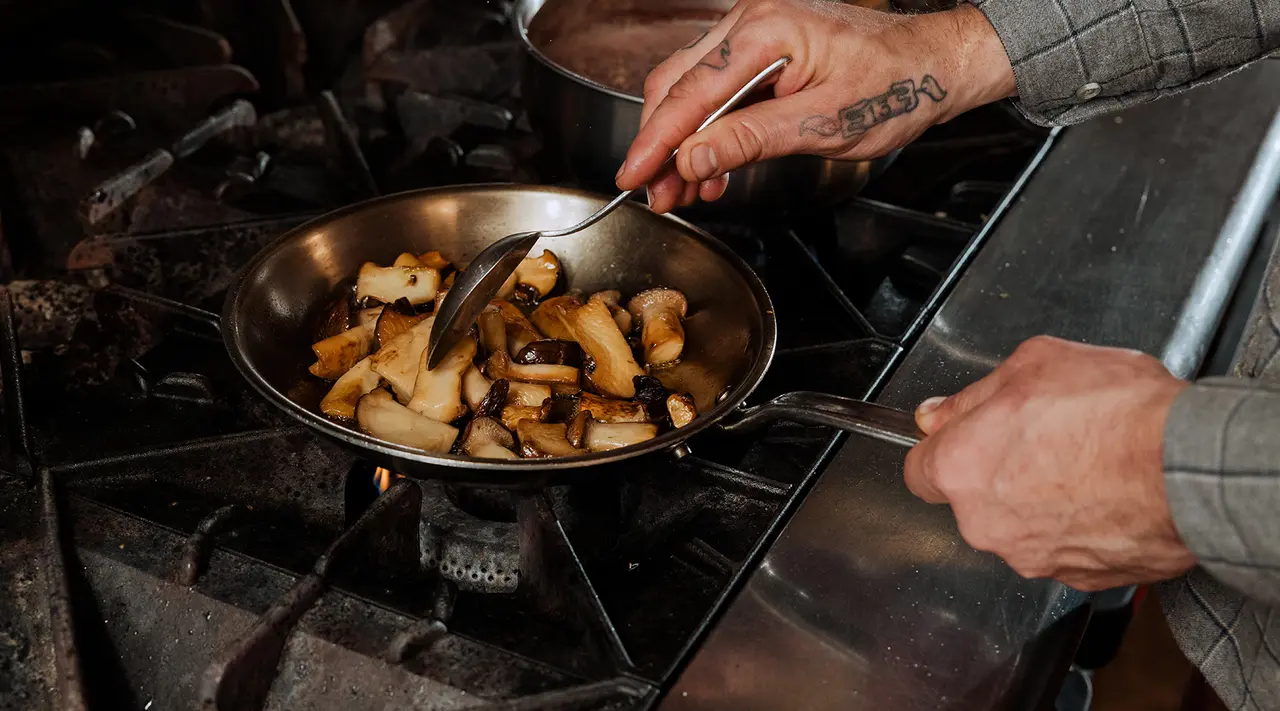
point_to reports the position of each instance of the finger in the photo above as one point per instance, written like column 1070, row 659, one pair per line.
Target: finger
column 701, row 90
column 920, row 471
column 712, row 190
column 690, row 194
column 666, row 191
column 769, row 129
column 671, row 69
column 934, row 414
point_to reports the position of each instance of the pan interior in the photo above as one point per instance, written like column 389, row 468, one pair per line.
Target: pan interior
column 729, row 328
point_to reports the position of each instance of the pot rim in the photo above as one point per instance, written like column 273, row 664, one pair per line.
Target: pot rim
column 521, row 14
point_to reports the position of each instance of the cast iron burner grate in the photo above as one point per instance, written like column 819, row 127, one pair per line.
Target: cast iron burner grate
column 184, row 543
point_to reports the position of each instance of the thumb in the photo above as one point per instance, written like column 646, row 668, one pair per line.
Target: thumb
column 933, row 414
column 768, row 129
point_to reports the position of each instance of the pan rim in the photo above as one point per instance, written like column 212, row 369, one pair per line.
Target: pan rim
column 231, row 328
column 521, row 22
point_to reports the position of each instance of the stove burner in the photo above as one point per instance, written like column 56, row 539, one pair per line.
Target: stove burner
column 477, row 555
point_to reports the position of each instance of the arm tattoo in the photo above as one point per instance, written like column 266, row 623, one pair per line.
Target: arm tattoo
column 720, row 60
column 902, row 98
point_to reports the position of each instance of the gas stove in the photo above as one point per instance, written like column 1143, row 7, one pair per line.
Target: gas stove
column 169, row 539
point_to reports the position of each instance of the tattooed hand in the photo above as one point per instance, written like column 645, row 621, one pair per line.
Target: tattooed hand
column 861, row 83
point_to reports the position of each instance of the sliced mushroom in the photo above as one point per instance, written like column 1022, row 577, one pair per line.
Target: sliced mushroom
column 659, row 312
column 610, row 410
column 520, row 332
column 493, row 329
column 475, row 387
column 513, row 414
column 562, row 390
column 552, row 317
column 528, row 394
column 613, row 299
column 434, row 260
column 577, row 428
column 496, row 399
column 448, row 281
column 381, row 416
column 539, row 440
column 538, row 274
column 508, row 288
column 395, row 319
column 398, row 360
column 487, row 439
column 386, row 284
column 550, row 351
column 499, row 365
column 335, row 318
column 440, row 296
column 354, row 384
column 653, row 394
column 605, row 436
column 337, row 354
column 407, row 261
column 681, row 409
column 615, row 367
column 437, row 393
column 369, row 316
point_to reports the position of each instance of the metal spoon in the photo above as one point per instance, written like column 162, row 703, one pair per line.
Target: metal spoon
column 476, row 285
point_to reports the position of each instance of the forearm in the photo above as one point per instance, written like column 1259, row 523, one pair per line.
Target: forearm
column 1222, row 479
column 1076, row 59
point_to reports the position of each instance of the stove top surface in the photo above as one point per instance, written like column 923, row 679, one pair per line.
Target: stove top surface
column 214, row 551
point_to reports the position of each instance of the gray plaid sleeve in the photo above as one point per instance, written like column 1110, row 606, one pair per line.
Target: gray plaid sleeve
column 1076, row 59
column 1222, row 479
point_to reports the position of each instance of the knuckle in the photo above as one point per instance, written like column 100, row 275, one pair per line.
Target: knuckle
column 750, row 138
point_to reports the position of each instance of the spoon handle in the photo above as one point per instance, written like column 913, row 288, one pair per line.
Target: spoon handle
column 724, row 109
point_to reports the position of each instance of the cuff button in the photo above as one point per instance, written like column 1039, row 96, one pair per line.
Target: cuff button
column 1088, row 92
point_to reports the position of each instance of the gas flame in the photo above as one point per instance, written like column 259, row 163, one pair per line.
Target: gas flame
column 383, row 479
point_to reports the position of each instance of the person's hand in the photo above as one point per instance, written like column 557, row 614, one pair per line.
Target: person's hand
column 1054, row 463
column 860, row 84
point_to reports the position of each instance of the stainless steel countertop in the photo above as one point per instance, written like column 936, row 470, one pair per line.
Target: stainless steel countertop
column 869, row 598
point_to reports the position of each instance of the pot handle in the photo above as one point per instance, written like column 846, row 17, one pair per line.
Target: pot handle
column 859, row 417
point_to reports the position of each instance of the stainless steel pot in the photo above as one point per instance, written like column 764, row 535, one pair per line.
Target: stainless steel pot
column 730, row 331
column 592, row 126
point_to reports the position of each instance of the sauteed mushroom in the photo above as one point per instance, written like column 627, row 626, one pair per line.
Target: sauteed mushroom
column 610, row 410
column 576, row 428
column 493, row 402
column 544, row 440
column 613, row 299
column 551, row 317
column 407, row 261
column 475, row 387
column 604, row 436
column 513, row 414
column 659, row 312
column 381, row 416
column 386, row 284
column 395, row 319
column 437, row 393
column 493, row 329
column 550, row 351
column 434, row 260
column 681, row 410
column 538, row 274
column 398, row 360
column 499, row 365
column 369, row 316
column 651, row 392
column 354, row 384
column 520, row 332
column 528, row 393
column 486, row 439
column 335, row 318
column 595, row 330
column 337, row 354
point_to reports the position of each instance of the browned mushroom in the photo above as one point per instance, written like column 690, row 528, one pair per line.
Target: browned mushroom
column 398, row 360
column 395, row 319
column 520, row 332
column 407, row 261
column 493, row 329
column 513, row 414
column 613, row 299
column 434, row 260
column 487, row 439
column 335, row 318
column 610, row 410
column 337, row 354
column 551, row 317
column 538, row 440
column 494, row 400
column 368, row 316
column 354, row 384
column 448, row 281
column 605, row 436
column 681, row 409
column 550, row 351
column 538, row 275
column 528, row 393
column 475, row 387
column 659, row 312
column 381, row 416
column 437, row 393
column 595, row 330
column 576, row 428
column 499, row 365
column 386, row 284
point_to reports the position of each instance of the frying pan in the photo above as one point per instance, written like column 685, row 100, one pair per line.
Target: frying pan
column 730, row 330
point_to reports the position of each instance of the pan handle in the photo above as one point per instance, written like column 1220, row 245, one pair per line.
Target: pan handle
column 856, row 416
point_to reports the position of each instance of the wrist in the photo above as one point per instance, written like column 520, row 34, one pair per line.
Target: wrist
column 980, row 67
